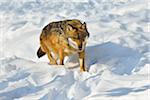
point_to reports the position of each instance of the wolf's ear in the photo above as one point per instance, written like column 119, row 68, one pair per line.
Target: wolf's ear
column 83, row 25
column 69, row 28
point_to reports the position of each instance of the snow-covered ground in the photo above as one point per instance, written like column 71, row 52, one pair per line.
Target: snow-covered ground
column 117, row 54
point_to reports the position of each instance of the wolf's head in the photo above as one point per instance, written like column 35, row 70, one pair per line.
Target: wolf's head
column 77, row 34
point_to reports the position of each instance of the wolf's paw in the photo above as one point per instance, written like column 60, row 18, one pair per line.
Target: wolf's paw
column 83, row 69
column 52, row 63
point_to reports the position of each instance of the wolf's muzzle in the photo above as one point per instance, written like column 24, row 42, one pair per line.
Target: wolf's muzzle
column 80, row 47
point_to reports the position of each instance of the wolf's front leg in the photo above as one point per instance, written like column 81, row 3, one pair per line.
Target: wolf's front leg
column 82, row 61
column 61, row 56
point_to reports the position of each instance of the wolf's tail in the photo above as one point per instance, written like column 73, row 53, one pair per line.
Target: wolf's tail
column 40, row 53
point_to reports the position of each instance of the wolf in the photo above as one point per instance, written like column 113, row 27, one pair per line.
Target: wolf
column 63, row 38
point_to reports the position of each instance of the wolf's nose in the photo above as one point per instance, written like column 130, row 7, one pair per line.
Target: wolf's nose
column 80, row 47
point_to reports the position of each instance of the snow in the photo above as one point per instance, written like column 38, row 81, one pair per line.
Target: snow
column 117, row 53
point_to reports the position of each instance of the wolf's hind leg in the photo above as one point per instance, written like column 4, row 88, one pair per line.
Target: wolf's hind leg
column 48, row 52
column 51, row 59
column 61, row 57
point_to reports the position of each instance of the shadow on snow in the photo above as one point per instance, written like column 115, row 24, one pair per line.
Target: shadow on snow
column 121, row 60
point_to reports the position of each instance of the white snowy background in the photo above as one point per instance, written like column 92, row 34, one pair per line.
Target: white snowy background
column 117, row 53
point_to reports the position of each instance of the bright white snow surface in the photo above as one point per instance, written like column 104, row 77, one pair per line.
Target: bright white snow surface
column 117, row 53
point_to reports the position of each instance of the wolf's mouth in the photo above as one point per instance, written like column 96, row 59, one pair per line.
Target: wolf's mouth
column 80, row 50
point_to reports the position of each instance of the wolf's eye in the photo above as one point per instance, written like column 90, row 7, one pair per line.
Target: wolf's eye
column 73, row 37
